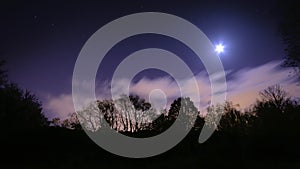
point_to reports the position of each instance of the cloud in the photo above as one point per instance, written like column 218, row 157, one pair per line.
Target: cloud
column 60, row 106
column 243, row 87
column 190, row 87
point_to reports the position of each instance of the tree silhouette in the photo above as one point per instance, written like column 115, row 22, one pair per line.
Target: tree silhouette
column 214, row 114
column 274, row 111
column 72, row 122
column 90, row 117
column 188, row 110
column 139, row 103
column 55, row 122
column 274, row 96
column 132, row 113
column 234, row 121
column 3, row 75
column 125, row 114
column 19, row 109
column 290, row 31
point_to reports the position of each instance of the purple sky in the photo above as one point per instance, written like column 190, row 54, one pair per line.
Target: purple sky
column 41, row 41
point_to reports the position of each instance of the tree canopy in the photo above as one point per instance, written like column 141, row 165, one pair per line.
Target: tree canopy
column 19, row 109
column 290, row 30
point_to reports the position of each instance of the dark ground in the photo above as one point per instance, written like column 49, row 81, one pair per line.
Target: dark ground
column 63, row 148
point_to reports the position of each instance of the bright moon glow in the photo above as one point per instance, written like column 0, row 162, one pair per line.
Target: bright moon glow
column 219, row 48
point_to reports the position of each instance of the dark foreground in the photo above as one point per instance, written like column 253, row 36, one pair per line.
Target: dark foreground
column 62, row 148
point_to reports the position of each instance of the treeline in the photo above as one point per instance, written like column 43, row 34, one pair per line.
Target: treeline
column 267, row 131
column 274, row 112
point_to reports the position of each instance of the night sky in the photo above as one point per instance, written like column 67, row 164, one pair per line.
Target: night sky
column 41, row 41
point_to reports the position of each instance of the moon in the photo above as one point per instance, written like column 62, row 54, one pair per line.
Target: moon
column 219, row 48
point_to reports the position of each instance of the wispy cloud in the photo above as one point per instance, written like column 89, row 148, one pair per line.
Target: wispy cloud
column 246, row 84
column 243, row 88
column 59, row 106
